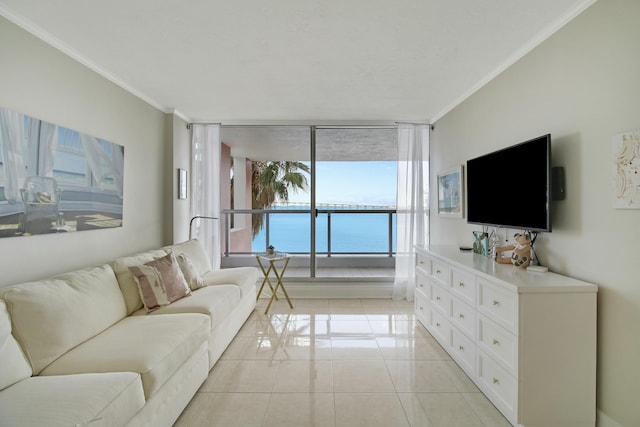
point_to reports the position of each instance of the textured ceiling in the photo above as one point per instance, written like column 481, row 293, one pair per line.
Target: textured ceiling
column 311, row 61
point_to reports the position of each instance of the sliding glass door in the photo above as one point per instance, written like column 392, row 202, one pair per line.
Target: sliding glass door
column 324, row 194
column 355, row 197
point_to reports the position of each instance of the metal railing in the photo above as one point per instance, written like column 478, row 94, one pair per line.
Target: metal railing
column 329, row 212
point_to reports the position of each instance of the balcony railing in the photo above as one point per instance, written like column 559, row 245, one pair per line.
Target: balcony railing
column 330, row 213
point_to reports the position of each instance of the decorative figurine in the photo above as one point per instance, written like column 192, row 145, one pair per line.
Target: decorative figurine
column 521, row 256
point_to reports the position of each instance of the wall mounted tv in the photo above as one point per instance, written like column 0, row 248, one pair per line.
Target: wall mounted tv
column 511, row 187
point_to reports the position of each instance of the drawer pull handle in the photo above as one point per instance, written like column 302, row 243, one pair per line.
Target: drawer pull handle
column 438, row 272
column 495, row 380
column 461, row 284
column 496, row 342
column 422, row 285
column 496, row 302
column 461, row 348
column 438, row 325
column 437, row 298
column 421, row 308
column 421, row 262
column 461, row 316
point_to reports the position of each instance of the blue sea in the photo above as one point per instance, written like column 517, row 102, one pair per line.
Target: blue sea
column 350, row 233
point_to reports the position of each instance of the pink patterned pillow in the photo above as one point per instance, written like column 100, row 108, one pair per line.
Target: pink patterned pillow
column 160, row 282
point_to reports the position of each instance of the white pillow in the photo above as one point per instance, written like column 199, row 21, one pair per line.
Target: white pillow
column 190, row 274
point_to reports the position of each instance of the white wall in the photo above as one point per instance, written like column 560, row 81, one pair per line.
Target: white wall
column 181, row 159
column 582, row 85
column 38, row 80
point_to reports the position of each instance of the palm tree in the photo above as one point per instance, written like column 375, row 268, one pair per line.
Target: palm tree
column 271, row 182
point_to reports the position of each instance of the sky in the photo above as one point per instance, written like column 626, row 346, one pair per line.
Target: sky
column 360, row 183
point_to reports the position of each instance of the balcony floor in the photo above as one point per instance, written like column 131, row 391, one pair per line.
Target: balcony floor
column 342, row 272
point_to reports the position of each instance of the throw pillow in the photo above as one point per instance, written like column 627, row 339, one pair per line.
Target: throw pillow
column 190, row 274
column 160, row 282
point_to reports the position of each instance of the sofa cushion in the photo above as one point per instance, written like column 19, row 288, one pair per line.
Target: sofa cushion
column 189, row 271
column 50, row 317
column 71, row 400
column 217, row 302
column 154, row 346
column 127, row 283
column 195, row 251
column 160, row 282
column 245, row 277
column 14, row 366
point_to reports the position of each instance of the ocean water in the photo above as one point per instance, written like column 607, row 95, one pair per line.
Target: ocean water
column 350, row 233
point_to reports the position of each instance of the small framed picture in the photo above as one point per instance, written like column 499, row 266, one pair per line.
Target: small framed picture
column 182, row 184
column 450, row 197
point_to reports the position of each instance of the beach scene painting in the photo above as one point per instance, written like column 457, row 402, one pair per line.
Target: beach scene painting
column 450, row 193
column 56, row 180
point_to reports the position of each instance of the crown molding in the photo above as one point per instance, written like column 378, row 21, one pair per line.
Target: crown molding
column 58, row 44
column 543, row 35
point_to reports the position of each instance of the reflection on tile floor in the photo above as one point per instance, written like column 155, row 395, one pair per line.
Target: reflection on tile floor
column 337, row 362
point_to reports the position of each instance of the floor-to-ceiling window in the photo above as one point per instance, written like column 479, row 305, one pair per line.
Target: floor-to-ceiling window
column 323, row 193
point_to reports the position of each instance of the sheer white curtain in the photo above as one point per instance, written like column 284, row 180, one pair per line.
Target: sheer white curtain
column 412, row 204
column 205, row 188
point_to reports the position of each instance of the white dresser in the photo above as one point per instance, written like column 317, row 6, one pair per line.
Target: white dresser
column 527, row 340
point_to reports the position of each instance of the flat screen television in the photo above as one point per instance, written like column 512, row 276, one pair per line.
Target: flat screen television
column 511, row 187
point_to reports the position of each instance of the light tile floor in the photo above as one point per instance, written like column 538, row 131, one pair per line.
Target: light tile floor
column 337, row 362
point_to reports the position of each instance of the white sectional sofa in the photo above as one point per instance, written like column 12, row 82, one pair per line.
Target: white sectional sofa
column 82, row 347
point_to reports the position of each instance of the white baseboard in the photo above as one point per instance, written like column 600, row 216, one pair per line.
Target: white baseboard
column 603, row 420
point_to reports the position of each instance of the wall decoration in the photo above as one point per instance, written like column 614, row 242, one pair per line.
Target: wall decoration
column 450, row 193
column 56, row 180
column 626, row 170
column 182, row 184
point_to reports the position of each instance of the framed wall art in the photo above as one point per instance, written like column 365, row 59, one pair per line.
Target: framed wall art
column 56, row 180
column 626, row 170
column 182, row 184
column 450, row 192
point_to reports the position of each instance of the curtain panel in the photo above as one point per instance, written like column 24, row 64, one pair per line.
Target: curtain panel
column 412, row 205
column 205, row 188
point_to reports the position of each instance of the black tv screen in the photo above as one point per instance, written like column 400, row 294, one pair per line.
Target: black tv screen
column 511, row 187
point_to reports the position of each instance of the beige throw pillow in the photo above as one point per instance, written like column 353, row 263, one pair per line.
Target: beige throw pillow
column 160, row 282
column 190, row 274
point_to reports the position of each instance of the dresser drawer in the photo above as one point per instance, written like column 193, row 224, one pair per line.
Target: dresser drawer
column 422, row 307
column 463, row 285
column 422, row 282
column 439, row 272
column 463, row 351
column 498, row 304
column 440, row 329
column 499, row 386
column 499, row 343
column 422, row 262
column 464, row 317
column 440, row 299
